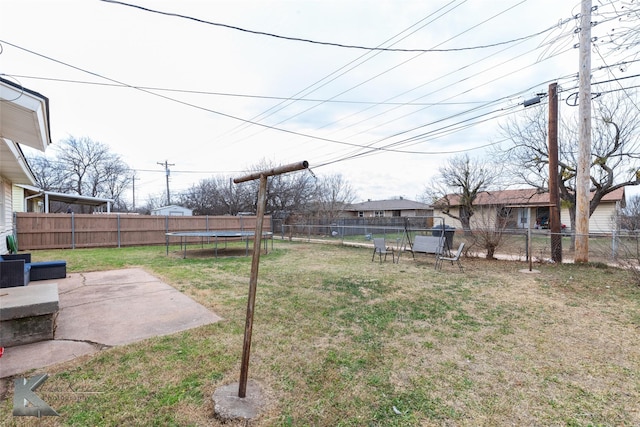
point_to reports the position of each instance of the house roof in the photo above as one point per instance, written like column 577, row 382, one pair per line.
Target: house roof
column 521, row 197
column 73, row 199
column 24, row 119
column 388, row 205
column 162, row 208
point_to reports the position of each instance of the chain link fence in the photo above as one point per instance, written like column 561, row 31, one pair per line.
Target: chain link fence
column 617, row 248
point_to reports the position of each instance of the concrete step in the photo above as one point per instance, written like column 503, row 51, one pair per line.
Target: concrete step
column 28, row 314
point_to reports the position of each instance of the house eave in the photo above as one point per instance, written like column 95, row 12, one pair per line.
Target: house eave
column 24, row 116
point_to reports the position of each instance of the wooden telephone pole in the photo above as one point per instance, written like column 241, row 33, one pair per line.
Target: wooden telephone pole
column 554, row 194
column 584, row 141
column 166, row 165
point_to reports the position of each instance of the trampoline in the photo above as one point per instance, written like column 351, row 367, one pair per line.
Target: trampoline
column 216, row 235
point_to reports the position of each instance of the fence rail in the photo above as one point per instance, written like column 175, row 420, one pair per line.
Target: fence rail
column 615, row 247
column 69, row 231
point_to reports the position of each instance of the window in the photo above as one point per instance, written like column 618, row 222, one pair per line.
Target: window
column 378, row 214
column 360, row 214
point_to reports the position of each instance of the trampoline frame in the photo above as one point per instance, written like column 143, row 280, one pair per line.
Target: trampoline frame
column 216, row 234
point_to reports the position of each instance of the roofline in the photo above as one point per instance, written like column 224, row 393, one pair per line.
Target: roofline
column 64, row 195
column 37, row 95
column 21, row 159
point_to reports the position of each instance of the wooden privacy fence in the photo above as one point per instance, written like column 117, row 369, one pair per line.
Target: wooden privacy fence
column 69, row 231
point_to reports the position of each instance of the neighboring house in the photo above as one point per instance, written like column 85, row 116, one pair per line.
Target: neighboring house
column 24, row 121
column 526, row 208
column 606, row 217
column 388, row 208
column 172, row 210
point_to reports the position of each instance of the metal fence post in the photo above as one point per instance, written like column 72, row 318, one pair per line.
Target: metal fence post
column 73, row 231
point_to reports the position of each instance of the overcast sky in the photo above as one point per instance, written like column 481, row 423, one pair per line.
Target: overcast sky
column 214, row 100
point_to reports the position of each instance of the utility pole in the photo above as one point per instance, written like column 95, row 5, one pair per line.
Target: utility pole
column 554, row 193
column 584, row 140
column 133, row 180
column 166, row 165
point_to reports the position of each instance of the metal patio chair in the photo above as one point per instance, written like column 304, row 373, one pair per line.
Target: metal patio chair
column 380, row 247
column 456, row 258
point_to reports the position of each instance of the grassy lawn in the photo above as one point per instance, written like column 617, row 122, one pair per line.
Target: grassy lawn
column 339, row 340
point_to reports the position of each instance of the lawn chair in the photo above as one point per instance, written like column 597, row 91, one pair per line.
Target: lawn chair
column 455, row 258
column 380, row 248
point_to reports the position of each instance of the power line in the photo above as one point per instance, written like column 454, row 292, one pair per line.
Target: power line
column 230, row 116
column 368, row 147
column 392, row 68
column 200, row 107
column 340, row 45
column 350, row 66
column 225, row 94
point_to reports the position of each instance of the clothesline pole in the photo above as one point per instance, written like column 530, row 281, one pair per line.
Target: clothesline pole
column 255, row 262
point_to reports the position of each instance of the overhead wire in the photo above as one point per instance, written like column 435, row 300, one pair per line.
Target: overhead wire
column 454, row 115
column 433, row 134
column 412, row 102
column 405, row 103
column 304, row 40
column 634, row 146
column 324, row 139
column 230, row 116
column 414, row 139
column 350, row 66
column 341, row 93
column 199, row 107
column 445, row 100
column 367, row 130
column 387, row 122
column 227, row 94
column 398, row 65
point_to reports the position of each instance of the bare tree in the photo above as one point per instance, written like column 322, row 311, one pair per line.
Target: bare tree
column 623, row 36
column 458, row 183
column 220, row 196
column 630, row 215
column 615, row 150
column 286, row 193
column 217, row 196
column 84, row 167
column 48, row 175
column 154, row 201
column 489, row 229
column 332, row 194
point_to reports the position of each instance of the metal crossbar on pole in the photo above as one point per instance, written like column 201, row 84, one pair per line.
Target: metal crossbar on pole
column 255, row 262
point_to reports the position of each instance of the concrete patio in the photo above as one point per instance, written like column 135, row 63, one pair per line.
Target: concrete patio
column 102, row 309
